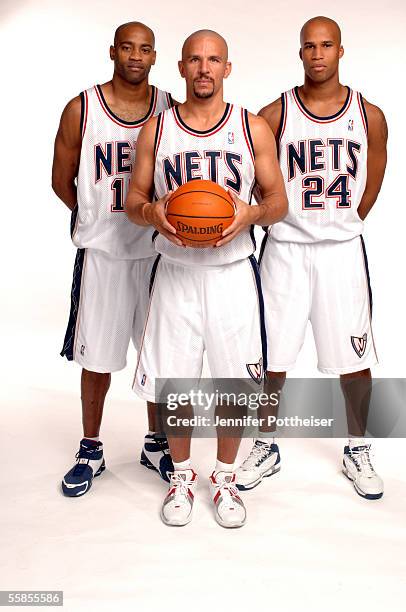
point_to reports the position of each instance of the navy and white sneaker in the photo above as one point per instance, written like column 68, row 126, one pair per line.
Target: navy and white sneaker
column 89, row 464
column 358, row 468
column 264, row 460
column 155, row 455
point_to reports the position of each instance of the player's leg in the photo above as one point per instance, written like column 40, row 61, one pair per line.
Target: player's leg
column 172, row 348
column 341, row 320
column 286, row 290
column 97, row 338
column 236, row 344
column 155, row 453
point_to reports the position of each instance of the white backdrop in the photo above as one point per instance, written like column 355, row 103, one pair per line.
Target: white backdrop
column 51, row 50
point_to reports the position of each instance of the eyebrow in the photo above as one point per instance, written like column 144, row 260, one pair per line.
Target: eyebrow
column 312, row 42
column 128, row 42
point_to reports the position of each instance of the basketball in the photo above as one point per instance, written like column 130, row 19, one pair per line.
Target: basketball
column 200, row 211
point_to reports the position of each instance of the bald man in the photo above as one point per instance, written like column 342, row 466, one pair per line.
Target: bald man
column 332, row 152
column 94, row 155
column 204, row 298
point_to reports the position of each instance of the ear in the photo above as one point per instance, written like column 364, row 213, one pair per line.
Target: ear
column 112, row 52
column 341, row 52
column 301, row 54
column 227, row 70
column 154, row 60
column 181, row 69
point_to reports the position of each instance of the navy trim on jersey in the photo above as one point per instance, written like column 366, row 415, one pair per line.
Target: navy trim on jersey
column 327, row 118
column 132, row 123
column 263, row 245
column 68, row 343
column 153, row 273
column 361, row 99
column 280, row 126
column 171, row 100
column 254, row 266
column 82, row 110
column 158, row 127
column 73, row 219
column 212, row 129
column 247, row 127
column 364, row 252
column 154, row 235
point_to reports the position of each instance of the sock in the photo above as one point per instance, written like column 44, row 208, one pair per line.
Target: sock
column 96, row 439
column 151, row 433
column 182, row 465
column 353, row 441
column 223, row 467
column 266, row 437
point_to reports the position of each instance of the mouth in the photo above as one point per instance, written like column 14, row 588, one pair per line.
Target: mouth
column 319, row 67
column 204, row 82
column 135, row 67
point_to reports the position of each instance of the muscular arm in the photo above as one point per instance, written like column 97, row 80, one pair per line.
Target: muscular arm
column 272, row 115
column 376, row 162
column 138, row 205
column 68, row 144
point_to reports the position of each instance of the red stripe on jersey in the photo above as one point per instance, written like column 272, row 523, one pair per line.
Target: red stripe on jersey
column 361, row 110
column 85, row 115
column 128, row 125
column 158, row 142
column 284, row 117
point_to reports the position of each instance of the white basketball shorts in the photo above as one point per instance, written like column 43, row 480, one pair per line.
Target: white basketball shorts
column 328, row 284
column 192, row 309
column 109, row 301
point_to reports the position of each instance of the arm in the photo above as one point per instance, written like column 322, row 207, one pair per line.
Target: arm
column 274, row 203
column 376, row 163
column 138, row 205
column 272, row 115
column 68, row 144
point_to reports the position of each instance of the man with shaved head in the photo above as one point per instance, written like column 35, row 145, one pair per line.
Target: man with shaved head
column 204, row 298
column 94, row 155
column 332, row 152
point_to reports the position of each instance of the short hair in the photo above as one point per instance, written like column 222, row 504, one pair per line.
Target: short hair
column 327, row 20
column 136, row 24
column 205, row 32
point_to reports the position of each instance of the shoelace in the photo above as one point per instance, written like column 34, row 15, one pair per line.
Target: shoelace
column 181, row 486
column 83, row 453
column 259, row 451
column 228, row 492
column 362, row 459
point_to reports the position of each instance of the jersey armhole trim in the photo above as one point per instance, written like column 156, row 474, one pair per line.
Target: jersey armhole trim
column 158, row 133
column 247, row 133
column 363, row 112
column 83, row 112
column 169, row 100
column 282, row 123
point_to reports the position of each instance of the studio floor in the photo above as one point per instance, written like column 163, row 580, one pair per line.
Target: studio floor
column 309, row 543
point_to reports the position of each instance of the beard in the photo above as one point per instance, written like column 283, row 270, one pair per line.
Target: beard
column 203, row 94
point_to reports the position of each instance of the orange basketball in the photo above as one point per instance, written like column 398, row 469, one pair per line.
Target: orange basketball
column 200, row 211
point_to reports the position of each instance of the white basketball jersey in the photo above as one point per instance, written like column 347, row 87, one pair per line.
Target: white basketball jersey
column 106, row 162
column 324, row 165
column 225, row 155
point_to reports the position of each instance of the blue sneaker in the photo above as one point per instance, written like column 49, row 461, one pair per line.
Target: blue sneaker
column 263, row 461
column 89, row 464
column 155, row 455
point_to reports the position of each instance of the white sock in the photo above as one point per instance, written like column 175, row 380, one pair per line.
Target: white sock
column 151, row 433
column 223, row 467
column 353, row 441
column 182, row 465
column 96, row 439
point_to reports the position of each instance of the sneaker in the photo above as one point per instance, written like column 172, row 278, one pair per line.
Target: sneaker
column 229, row 508
column 178, row 503
column 263, row 461
column 155, row 455
column 358, row 468
column 89, row 464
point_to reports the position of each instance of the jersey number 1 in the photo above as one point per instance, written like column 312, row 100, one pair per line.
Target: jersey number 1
column 117, row 187
column 314, row 187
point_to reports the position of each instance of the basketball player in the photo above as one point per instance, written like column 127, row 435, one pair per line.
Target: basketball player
column 94, row 155
column 332, row 152
column 204, row 298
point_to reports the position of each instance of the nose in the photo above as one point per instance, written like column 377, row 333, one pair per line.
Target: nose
column 204, row 65
column 317, row 52
column 135, row 54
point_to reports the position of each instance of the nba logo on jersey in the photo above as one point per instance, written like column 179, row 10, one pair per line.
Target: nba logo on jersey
column 350, row 125
column 230, row 138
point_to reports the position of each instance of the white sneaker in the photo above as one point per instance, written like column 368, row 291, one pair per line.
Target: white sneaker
column 178, row 503
column 263, row 461
column 229, row 508
column 358, row 468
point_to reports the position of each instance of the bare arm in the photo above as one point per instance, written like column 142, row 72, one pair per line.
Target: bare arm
column 274, row 204
column 376, row 163
column 68, row 143
column 138, row 205
column 272, row 115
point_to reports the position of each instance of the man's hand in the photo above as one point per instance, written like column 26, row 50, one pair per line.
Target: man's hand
column 154, row 214
column 244, row 217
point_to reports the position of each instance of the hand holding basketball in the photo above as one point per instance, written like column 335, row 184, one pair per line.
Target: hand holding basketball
column 154, row 214
column 243, row 218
